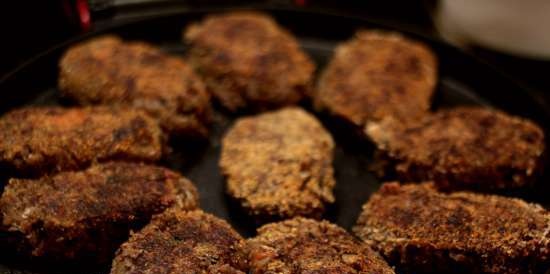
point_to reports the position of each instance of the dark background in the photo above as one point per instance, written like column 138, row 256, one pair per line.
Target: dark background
column 31, row 27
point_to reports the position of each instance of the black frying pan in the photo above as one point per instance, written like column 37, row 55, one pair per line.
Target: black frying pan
column 463, row 80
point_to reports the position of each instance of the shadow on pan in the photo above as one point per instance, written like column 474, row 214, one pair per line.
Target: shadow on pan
column 463, row 80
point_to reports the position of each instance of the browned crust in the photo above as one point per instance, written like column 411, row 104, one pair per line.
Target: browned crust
column 306, row 246
column 375, row 75
column 248, row 61
column 40, row 140
column 279, row 164
column 465, row 147
column 182, row 242
column 420, row 229
column 75, row 214
column 106, row 70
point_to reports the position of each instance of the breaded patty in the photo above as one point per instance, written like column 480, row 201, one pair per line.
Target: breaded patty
column 375, row 75
column 426, row 231
column 465, row 147
column 106, row 70
column 248, row 61
column 182, row 242
column 300, row 246
column 279, row 164
column 88, row 214
column 39, row 140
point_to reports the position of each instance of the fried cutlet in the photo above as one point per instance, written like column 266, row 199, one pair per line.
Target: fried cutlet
column 279, row 164
column 40, row 140
column 182, row 242
column 461, row 148
column 302, row 245
column 107, row 70
column 422, row 230
column 89, row 213
column 248, row 61
column 375, row 75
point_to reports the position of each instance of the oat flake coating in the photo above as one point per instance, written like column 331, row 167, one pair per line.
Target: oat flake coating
column 420, row 229
column 279, row 164
column 378, row 74
column 107, row 70
column 182, row 242
column 40, row 140
column 465, row 147
column 304, row 246
column 248, row 61
column 89, row 213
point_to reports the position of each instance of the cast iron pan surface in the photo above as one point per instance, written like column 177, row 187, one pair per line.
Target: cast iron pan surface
column 463, row 80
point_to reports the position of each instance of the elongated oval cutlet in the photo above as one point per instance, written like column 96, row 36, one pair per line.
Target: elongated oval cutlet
column 279, row 164
column 302, row 245
column 182, row 242
column 107, row 70
column 461, row 148
column 248, row 61
column 375, row 75
column 41, row 140
column 88, row 214
column 422, row 230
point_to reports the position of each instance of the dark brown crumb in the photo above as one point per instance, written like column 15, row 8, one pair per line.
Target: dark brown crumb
column 182, row 242
column 89, row 213
column 423, row 230
column 248, row 61
column 41, row 140
column 465, row 147
column 279, row 164
column 106, row 70
column 375, row 75
column 300, row 246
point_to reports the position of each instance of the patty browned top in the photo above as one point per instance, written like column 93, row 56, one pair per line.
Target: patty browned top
column 378, row 74
column 248, row 61
column 464, row 147
column 107, row 70
column 417, row 226
column 39, row 140
column 300, row 246
column 77, row 212
column 182, row 242
column 279, row 164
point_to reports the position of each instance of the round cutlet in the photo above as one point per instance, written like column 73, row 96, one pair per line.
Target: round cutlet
column 425, row 231
column 248, row 61
column 465, row 147
column 182, row 242
column 378, row 74
column 279, row 164
column 89, row 213
column 301, row 245
column 107, row 70
column 42, row 140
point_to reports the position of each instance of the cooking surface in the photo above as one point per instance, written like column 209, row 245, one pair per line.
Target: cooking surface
column 462, row 81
